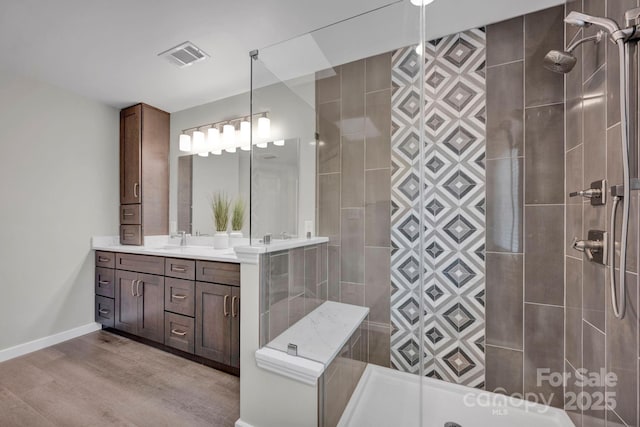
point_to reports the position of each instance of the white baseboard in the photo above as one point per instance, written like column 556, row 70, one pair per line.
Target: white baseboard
column 39, row 344
column 241, row 423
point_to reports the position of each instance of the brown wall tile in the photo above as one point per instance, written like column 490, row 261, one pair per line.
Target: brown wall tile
column 505, row 205
column 353, row 84
column 593, row 53
column 352, row 185
column 544, row 161
column 594, row 129
column 352, row 293
column 543, row 31
column 328, row 85
column 503, row 370
column 544, row 254
column 505, row 41
column 574, row 161
column 504, row 300
column 378, row 207
column 378, row 129
column 329, row 207
column 594, row 361
column 378, row 284
column 352, row 246
column 543, row 346
column 378, row 72
column 505, row 105
column 334, row 273
column 328, row 150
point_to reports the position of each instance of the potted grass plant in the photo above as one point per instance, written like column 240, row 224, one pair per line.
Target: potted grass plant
column 237, row 221
column 220, row 206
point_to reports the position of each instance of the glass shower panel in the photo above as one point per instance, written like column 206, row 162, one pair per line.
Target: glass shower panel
column 347, row 99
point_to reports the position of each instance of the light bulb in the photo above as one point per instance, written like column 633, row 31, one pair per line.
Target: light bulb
column 185, row 142
column 245, row 131
column 419, row 49
column 203, row 154
column 264, row 127
column 213, row 139
column 279, row 142
column 199, row 144
column 216, row 152
column 229, row 137
column 421, row 2
column 262, row 145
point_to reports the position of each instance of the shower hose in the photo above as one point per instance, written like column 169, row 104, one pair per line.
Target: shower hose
column 618, row 301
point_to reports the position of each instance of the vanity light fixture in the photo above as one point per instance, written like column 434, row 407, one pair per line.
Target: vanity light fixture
column 279, row 143
column 227, row 135
column 185, row 142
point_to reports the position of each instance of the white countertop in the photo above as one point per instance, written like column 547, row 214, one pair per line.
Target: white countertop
column 166, row 247
column 320, row 336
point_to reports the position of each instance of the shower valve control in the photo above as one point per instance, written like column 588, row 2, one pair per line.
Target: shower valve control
column 595, row 247
column 597, row 193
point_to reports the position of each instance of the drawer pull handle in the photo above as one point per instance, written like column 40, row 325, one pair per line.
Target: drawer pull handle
column 127, row 214
column 226, row 309
column 133, row 282
column 135, row 190
column 138, row 294
column 178, row 296
column 179, row 333
column 178, row 269
column 103, row 259
column 104, row 311
column 129, row 235
column 234, row 313
column 103, row 282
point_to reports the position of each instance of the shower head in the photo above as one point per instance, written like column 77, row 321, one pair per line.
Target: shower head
column 564, row 61
column 559, row 62
column 578, row 19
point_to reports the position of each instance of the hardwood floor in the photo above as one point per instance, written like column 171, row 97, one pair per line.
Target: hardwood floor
column 103, row 379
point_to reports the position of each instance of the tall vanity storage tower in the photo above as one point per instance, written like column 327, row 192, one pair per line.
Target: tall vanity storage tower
column 144, row 173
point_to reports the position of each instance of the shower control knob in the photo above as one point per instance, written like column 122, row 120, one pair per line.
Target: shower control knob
column 595, row 246
column 597, row 193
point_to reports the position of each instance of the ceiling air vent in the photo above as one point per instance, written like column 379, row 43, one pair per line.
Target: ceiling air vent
column 184, row 54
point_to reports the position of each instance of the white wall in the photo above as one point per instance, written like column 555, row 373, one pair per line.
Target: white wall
column 59, row 174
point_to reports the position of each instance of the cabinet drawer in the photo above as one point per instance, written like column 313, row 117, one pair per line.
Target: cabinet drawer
column 105, row 311
column 179, row 332
column 131, row 235
column 105, row 282
column 179, row 296
column 105, row 259
column 130, row 214
column 140, row 263
column 180, row 268
column 218, row 272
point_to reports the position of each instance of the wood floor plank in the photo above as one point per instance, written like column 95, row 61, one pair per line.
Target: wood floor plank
column 105, row 379
column 14, row 412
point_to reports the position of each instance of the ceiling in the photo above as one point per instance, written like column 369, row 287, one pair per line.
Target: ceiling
column 107, row 50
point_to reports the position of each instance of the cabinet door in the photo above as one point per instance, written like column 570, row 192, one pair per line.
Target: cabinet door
column 126, row 302
column 151, row 307
column 235, row 327
column 213, row 321
column 130, row 155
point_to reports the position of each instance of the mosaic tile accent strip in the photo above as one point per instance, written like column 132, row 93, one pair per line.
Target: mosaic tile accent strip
column 454, row 213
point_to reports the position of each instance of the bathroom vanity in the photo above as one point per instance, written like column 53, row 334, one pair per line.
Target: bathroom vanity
column 184, row 300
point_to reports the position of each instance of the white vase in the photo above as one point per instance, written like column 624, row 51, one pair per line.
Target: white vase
column 220, row 240
column 235, row 238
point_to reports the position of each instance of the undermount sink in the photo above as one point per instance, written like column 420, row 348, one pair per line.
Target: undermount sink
column 179, row 248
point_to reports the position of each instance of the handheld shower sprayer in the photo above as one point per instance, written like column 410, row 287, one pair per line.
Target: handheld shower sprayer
column 563, row 62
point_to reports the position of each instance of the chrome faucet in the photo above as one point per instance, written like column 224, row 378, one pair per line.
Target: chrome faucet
column 285, row 236
column 183, row 237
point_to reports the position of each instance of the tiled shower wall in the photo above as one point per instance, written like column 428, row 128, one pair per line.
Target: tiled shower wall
column 354, row 191
column 293, row 283
column 595, row 339
column 453, row 215
column 525, row 205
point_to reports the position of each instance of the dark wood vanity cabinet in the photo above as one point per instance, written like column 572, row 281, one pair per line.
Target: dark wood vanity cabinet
column 192, row 306
column 217, row 319
column 139, row 300
column 144, row 173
